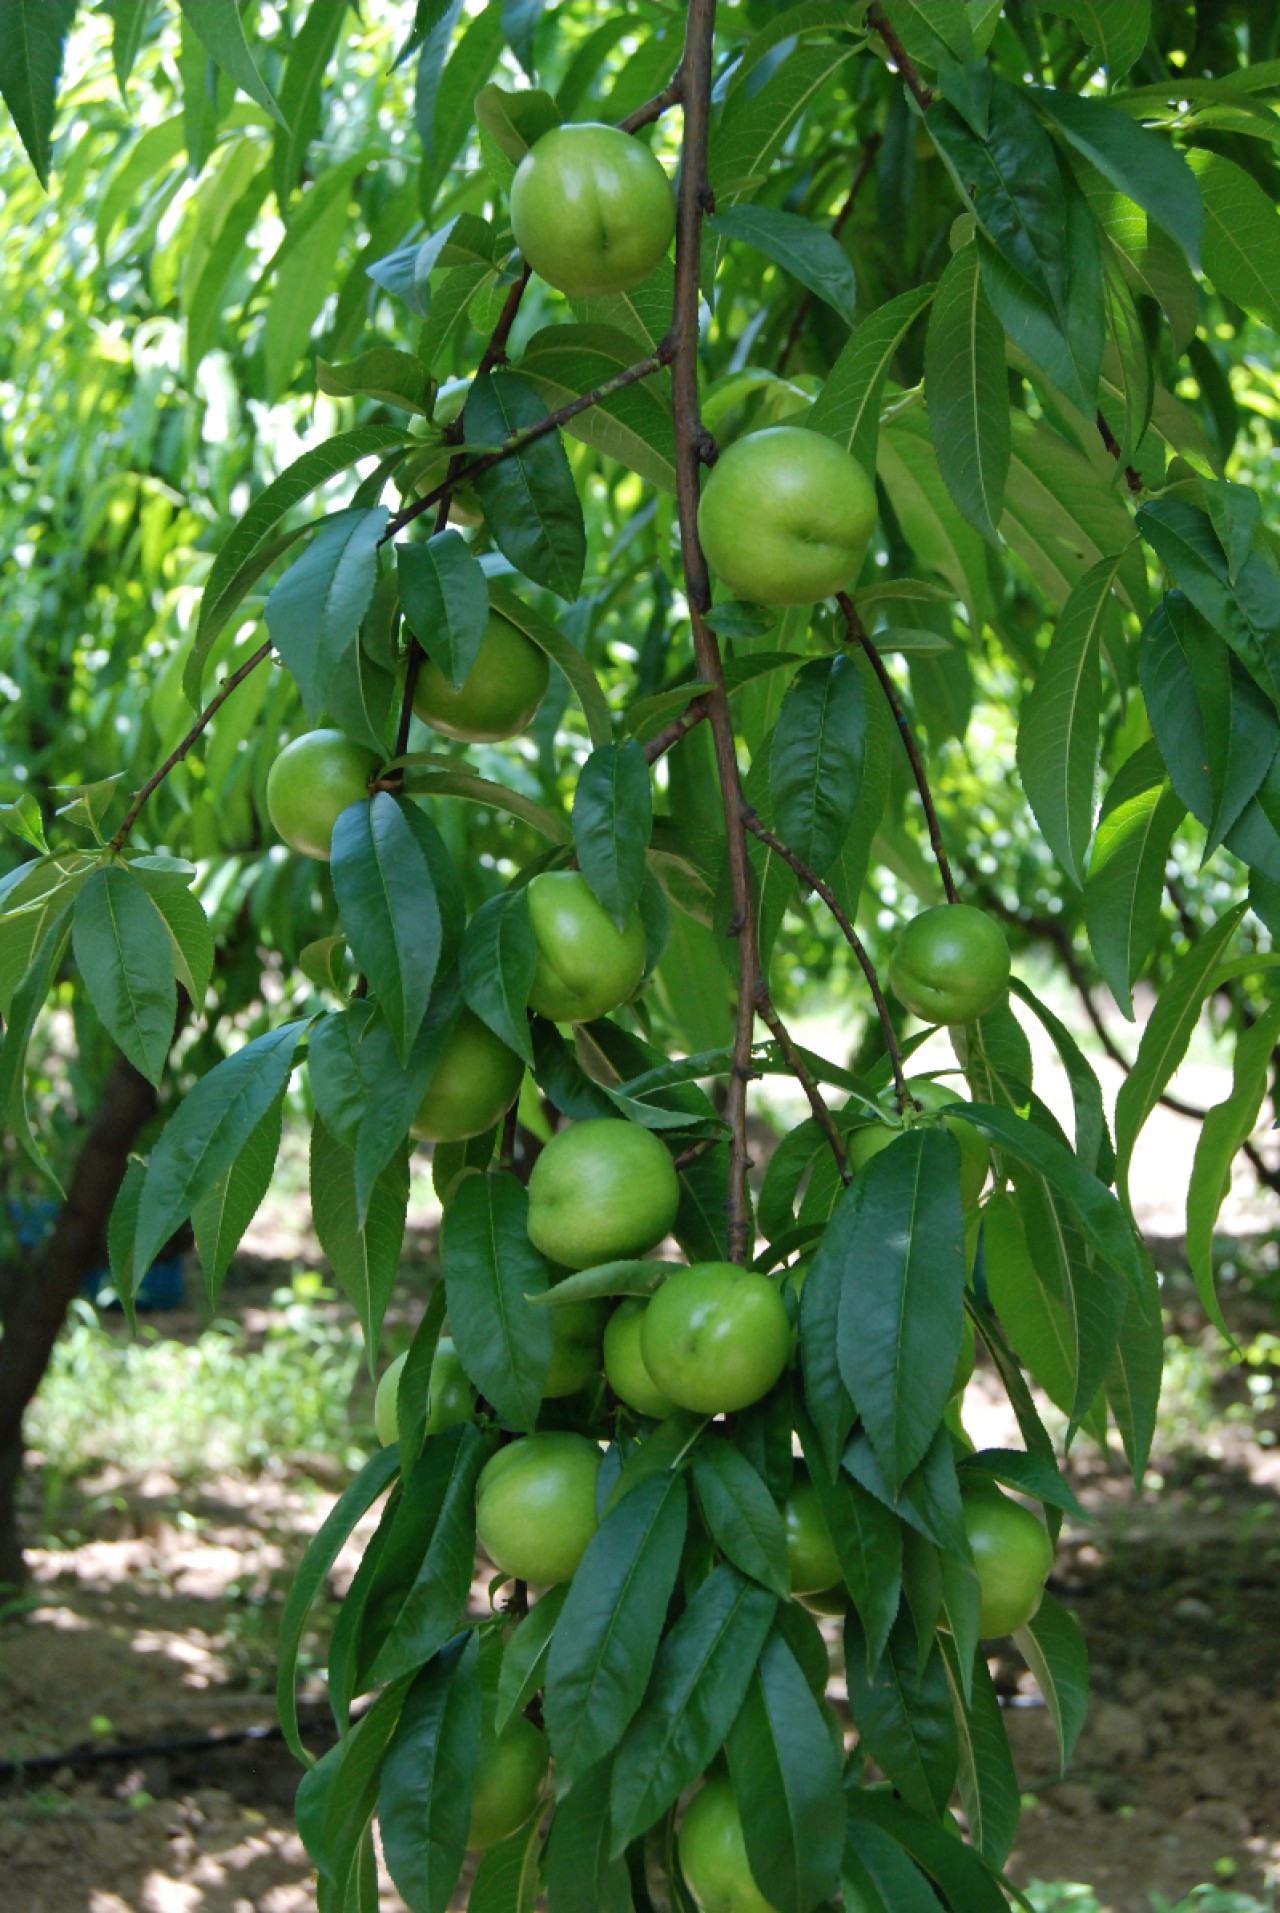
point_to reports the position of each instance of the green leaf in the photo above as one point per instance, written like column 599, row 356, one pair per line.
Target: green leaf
column 529, row 501
column 1099, row 1216
column 365, row 1257
column 565, row 656
column 903, row 1714
column 816, row 759
column 506, row 1880
column 206, row 1133
column 246, row 553
column 122, row 947
column 191, row 935
column 516, row 120
column 847, row 408
column 867, row 1539
column 1241, row 254
column 336, row 1799
column 384, row 373
column 1058, row 729
column 221, row 1217
column 300, row 95
column 756, row 122
column 1226, row 1128
column 424, row 1570
column 1041, row 254
column 1139, row 162
column 219, row 31
column 445, row 122
column 525, row 1655
column 446, row 601
column 604, row 1644
column 129, row 21
column 943, row 541
column 581, row 1876
column 634, row 425
column 899, row 1237
column 315, row 611
column 389, row 909
column 304, row 270
column 929, row 29
column 424, row 1796
column 28, row 1001
column 805, row 251
column 786, row 1782
column 967, row 393
column 312, row 1574
column 33, row 35
column 700, row 1680
column 988, row 1784
column 491, row 1270
column 1245, row 612
column 498, row 960
column 1027, row 1473
column 1136, row 1372
column 1117, row 30
column 1167, row 1034
column 1125, row 883
column 482, row 790
column 963, row 1876
column 612, row 820
column 1093, row 1141
column 741, row 1515
column 1053, row 1646
column 878, row 1877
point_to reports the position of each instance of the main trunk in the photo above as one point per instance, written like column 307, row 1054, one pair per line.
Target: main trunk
column 37, row 1301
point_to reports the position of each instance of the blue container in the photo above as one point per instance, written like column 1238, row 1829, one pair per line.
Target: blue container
column 162, row 1287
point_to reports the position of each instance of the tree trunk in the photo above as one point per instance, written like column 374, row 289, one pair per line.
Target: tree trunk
column 37, row 1302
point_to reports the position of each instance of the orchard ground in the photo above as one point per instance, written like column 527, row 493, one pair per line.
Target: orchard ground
column 167, row 1529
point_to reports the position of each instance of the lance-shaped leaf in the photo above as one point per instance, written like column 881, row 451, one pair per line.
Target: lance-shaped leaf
column 867, row 1538
column 365, row 1258
column 220, row 31
column 530, row 501
column 1053, row 1646
column 206, row 1133
column 1122, row 891
column 1137, row 1370
column 123, row 950
column 446, row 601
column 1058, row 729
column 987, row 1781
column 221, row 1217
column 390, row 913
column 604, row 1644
column 1142, row 164
column 314, row 613
column 903, row 1714
column 1245, row 610
column 336, row 1799
column 967, row 393
column 902, row 1298
column 1241, row 235
column 491, row 1269
column 612, row 821
column 1225, row 1130
column 633, row 425
column 497, row 961
column 33, row 34
column 700, row 1679
column 424, row 1798
column 524, row 1658
column 807, row 252
column 848, row 406
column 581, row 1875
column 816, row 759
column 741, row 1515
column 786, row 1780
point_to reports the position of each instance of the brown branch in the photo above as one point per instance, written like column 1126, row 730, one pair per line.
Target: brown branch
column 693, row 199
column 850, row 200
column 528, row 435
column 176, row 755
column 900, row 57
column 1109, row 439
column 671, row 95
column 800, row 1070
column 807, row 876
column 661, row 742
column 858, row 634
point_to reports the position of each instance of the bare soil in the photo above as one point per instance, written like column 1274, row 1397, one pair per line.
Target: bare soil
column 156, row 1629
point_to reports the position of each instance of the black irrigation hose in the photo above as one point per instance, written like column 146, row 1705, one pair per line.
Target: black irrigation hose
column 15, row 1771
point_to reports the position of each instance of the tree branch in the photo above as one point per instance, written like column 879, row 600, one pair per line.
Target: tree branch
column 858, row 634
column 900, row 57
column 847, row 205
column 176, row 755
column 800, row 1070
column 810, row 877
column 694, row 198
column 671, row 95
column 661, row 742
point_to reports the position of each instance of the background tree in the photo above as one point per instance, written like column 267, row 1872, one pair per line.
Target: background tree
column 1018, row 303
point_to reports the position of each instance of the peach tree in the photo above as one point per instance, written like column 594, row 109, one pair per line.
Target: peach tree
column 722, row 411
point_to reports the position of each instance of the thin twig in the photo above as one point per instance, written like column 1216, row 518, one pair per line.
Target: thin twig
column 850, row 200
column 800, row 1070
column 529, row 434
column 759, row 829
column 661, row 742
column 694, row 198
column 900, row 57
column 858, row 635
column 176, row 755
column 671, row 95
